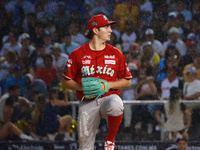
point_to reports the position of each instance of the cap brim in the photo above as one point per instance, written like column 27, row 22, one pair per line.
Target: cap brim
column 112, row 22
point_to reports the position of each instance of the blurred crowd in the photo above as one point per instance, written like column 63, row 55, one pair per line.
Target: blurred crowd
column 159, row 39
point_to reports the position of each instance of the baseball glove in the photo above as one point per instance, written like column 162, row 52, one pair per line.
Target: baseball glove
column 92, row 87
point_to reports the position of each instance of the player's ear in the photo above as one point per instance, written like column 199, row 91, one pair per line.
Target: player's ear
column 95, row 30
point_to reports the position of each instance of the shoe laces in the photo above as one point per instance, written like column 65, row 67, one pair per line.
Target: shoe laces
column 109, row 145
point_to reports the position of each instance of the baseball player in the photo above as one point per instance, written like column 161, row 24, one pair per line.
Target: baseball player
column 97, row 71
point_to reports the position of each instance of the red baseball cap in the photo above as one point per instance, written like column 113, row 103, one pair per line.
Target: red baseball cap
column 99, row 21
column 191, row 43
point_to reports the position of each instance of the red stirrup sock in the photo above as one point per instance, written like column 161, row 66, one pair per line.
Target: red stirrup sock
column 113, row 126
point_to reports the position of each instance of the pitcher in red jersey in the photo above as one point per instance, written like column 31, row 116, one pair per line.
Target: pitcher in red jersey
column 98, row 59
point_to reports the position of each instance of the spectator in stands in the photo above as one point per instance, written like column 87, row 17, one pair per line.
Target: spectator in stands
column 146, row 67
column 62, row 18
column 40, row 12
column 60, row 58
column 25, row 6
column 29, row 24
column 13, row 43
column 114, row 42
column 101, row 7
column 182, row 26
column 182, row 143
column 17, row 77
column 84, row 11
column 63, row 91
column 192, row 50
column 128, row 93
column 37, row 57
column 48, row 72
column 6, row 21
column 157, row 45
column 32, row 85
column 196, row 64
column 7, row 63
column 8, row 99
column 170, row 81
column 170, row 21
column 146, row 89
column 194, row 28
column 171, row 57
column 18, row 9
column 25, row 42
column 73, row 6
column 128, row 36
column 50, row 26
column 157, row 25
column 196, row 10
column 46, row 120
column 25, row 53
column 172, row 52
column 146, row 13
column 35, row 94
column 173, row 35
column 83, row 27
column 7, row 128
column 135, row 52
column 37, row 126
column 180, row 6
column 63, row 94
column 116, row 32
column 76, row 36
column 47, row 37
column 36, row 37
column 148, row 51
column 127, row 56
column 121, row 15
column 50, row 6
column 24, row 60
column 178, row 21
column 57, row 123
column 22, row 106
column 175, row 112
column 191, row 89
column 67, row 44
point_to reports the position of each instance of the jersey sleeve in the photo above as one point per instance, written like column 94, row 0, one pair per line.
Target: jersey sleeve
column 70, row 68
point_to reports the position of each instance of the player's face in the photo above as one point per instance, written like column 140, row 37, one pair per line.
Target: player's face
column 182, row 145
column 104, row 33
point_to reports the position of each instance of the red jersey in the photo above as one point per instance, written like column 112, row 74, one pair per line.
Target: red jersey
column 48, row 76
column 108, row 64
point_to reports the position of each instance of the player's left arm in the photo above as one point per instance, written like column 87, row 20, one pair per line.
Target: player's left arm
column 120, row 84
column 71, row 84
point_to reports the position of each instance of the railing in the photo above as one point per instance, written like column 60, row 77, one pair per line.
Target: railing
column 138, row 102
